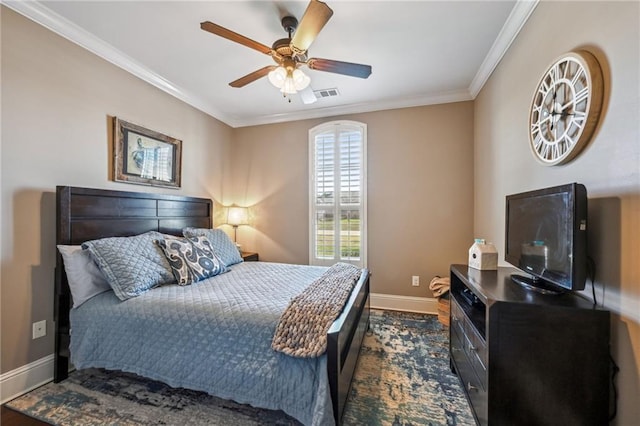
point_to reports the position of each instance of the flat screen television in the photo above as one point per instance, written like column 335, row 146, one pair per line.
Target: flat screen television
column 546, row 237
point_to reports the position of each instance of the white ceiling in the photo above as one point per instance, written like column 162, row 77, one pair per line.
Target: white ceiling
column 421, row 52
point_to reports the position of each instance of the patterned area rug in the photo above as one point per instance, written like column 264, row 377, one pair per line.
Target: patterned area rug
column 403, row 376
column 402, row 379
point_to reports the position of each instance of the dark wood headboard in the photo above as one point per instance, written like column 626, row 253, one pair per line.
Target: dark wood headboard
column 85, row 214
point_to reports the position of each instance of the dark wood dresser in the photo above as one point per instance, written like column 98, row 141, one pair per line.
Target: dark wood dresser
column 526, row 358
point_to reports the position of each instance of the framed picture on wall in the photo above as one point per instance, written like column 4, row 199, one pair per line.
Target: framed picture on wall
column 145, row 157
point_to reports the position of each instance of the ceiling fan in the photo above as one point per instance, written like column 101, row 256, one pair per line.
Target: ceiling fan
column 291, row 52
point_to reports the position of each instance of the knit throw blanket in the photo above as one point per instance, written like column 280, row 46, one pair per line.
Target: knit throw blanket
column 302, row 330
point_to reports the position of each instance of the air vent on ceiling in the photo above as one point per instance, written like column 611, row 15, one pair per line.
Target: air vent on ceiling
column 326, row 93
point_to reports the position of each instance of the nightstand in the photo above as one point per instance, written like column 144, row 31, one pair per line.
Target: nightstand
column 249, row 256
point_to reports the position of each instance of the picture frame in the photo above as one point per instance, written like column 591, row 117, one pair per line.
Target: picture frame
column 145, row 157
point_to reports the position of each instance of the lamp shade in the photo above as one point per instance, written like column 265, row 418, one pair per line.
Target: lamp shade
column 300, row 79
column 237, row 216
column 278, row 76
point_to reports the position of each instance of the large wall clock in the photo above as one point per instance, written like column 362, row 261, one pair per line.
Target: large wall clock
column 566, row 107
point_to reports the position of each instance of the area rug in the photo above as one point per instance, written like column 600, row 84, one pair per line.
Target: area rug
column 402, row 379
column 403, row 376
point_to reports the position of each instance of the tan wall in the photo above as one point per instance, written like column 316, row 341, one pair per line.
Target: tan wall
column 609, row 167
column 420, row 200
column 425, row 177
column 56, row 100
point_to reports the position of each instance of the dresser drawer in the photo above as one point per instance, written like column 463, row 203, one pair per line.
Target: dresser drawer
column 477, row 345
column 470, row 342
column 457, row 346
column 472, row 353
column 457, row 317
column 474, row 387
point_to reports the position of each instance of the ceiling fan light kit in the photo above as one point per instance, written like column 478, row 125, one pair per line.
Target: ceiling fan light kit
column 291, row 53
column 288, row 78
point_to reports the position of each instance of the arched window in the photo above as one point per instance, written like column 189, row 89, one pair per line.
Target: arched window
column 338, row 193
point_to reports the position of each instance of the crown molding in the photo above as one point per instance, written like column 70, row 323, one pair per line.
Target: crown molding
column 39, row 13
column 514, row 23
column 440, row 98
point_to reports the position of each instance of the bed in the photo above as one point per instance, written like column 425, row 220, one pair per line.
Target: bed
column 87, row 214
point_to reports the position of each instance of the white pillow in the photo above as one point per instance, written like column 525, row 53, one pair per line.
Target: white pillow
column 85, row 279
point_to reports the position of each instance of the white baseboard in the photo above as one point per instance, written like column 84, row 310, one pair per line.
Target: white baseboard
column 26, row 378
column 423, row 305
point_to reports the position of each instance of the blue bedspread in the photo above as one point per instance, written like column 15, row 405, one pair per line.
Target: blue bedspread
column 213, row 336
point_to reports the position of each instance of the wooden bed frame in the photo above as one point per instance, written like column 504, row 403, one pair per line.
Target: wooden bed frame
column 85, row 214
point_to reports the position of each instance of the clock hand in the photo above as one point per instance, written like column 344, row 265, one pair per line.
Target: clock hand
column 564, row 109
column 567, row 105
column 547, row 118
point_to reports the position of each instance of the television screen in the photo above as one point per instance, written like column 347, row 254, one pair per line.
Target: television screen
column 546, row 236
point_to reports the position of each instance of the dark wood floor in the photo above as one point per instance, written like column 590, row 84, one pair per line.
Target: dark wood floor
column 13, row 418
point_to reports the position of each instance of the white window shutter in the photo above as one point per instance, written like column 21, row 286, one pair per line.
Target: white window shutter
column 337, row 193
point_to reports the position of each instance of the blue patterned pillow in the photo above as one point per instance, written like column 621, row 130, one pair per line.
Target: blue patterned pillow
column 191, row 258
column 220, row 241
column 131, row 265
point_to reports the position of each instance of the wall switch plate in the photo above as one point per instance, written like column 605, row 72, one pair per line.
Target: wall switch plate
column 39, row 329
column 415, row 281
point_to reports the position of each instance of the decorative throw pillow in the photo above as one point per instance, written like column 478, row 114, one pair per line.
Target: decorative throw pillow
column 220, row 241
column 84, row 277
column 191, row 258
column 132, row 265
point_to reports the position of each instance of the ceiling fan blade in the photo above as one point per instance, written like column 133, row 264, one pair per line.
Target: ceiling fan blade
column 313, row 20
column 251, row 77
column 230, row 35
column 339, row 67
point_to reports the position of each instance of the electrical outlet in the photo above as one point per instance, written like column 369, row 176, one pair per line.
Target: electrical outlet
column 39, row 329
column 415, row 281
